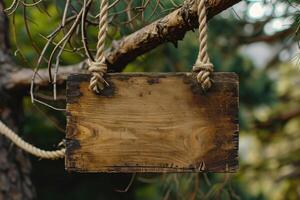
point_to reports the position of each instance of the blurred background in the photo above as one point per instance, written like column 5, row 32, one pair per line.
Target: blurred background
column 256, row 39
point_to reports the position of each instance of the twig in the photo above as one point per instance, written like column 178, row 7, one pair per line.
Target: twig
column 83, row 32
column 129, row 184
column 63, row 21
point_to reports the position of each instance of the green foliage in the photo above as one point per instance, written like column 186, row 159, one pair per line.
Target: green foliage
column 269, row 161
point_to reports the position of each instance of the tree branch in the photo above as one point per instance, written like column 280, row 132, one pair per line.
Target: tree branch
column 279, row 119
column 268, row 38
column 170, row 28
column 21, row 79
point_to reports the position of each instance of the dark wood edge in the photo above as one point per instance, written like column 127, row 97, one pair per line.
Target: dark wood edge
column 216, row 76
column 73, row 85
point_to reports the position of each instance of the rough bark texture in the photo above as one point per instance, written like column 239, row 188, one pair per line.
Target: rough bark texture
column 15, row 167
column 170, row 28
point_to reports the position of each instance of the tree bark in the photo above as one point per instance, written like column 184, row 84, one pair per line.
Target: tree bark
column 15, row 167
column 170, row 28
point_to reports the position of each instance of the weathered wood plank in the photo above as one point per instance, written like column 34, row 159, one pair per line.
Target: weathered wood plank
column 152, row 122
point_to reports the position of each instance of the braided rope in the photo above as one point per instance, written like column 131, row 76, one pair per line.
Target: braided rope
column 203, row 65
column 99, row 67
column 4, row 130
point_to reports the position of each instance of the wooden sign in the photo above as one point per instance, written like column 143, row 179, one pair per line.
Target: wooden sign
column 152, row 122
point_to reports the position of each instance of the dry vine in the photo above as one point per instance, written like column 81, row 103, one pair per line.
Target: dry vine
column 76, row 18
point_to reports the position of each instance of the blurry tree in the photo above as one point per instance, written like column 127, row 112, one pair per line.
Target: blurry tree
column 256, row 39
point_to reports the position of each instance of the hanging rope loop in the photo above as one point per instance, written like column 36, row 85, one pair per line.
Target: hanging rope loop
column 203, row 66
column 98, row 68
column 4, row 130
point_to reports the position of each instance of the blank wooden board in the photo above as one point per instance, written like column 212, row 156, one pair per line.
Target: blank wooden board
column 152, row 122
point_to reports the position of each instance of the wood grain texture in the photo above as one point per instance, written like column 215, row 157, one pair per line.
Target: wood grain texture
column 152, row 122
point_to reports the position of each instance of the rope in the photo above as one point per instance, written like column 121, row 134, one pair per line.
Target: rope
column 203, row 65
column 4, row 130
column 99, row 67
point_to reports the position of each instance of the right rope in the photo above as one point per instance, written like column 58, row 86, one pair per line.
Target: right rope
column 203, row 66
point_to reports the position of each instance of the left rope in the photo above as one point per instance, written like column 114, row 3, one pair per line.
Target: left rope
column 4, row 130
column 98, row 67
column 203, row 66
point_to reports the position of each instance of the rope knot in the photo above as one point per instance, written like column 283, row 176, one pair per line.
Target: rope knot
column 98, row 69
column 204, row 71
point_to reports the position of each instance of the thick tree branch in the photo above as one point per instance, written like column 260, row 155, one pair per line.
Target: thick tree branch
column 21, row 79
column 170, row 28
